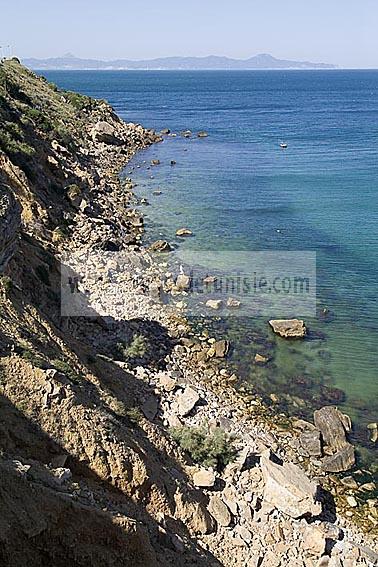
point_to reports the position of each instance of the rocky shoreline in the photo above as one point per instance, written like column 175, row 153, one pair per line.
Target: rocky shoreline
column 195, row 388
column 115, row 393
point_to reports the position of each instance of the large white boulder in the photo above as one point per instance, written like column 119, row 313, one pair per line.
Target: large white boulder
column 288, row 489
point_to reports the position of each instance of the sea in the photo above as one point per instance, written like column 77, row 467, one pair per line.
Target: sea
column 239, row 190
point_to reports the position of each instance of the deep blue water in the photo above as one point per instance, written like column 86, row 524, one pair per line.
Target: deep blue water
column 236, row 189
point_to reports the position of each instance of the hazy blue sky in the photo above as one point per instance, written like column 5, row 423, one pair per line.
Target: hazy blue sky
column 344, row 32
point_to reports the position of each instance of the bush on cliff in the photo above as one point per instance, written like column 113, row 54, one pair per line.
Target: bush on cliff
column 208, row 448
column 135, row 350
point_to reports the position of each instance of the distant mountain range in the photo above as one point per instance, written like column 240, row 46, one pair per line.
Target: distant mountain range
column 262, row 61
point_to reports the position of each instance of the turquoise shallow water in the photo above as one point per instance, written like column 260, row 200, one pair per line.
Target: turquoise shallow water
column 237, row 188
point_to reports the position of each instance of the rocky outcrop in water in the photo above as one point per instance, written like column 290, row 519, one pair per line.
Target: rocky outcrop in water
column 288, row 328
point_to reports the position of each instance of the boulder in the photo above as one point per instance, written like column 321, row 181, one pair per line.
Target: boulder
column 288, row 328
column 184, row 232
column 221, row 348
column 105, row 132
column 244, row 534
column 233, row 303
column 314, row 540
column 155, row 162
column 160, row 246
column 150, row 408
column 310, row 443
column 62, row 475
column 204, row 478
column 260, row 359
column 183, row 282
column 193, row 514
column 333, row 426
column 58, row 147
column 219, row 511
column 342, row 460
column 288, row 489
column 209, row 280
column 185, row 401
column 166, row 382
column 373, row 432
column 352, row 501
column 214, row 304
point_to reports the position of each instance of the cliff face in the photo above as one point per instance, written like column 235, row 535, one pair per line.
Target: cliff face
column 84, row 476
column 10, row 222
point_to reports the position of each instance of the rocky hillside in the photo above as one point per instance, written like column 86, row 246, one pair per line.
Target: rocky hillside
column 122, row 442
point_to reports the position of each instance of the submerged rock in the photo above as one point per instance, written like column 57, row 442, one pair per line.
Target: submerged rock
column 288, row 489
column 233, row 303
column 184, row 232
column 260, row 359
column 288, row 328
column 221, row 348
column 373, row 432
column 332, row 395
column 214, row 303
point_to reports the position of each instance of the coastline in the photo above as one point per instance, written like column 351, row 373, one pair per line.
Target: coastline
column 231, row 518
column 260, row 425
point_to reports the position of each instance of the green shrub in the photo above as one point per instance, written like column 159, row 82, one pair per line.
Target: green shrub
column 134, row 415
column 60, row 132
column 33, row 358
column 6, row 284
column 208, row 448
column 10, row 145
column 63, row 367
column 73, row 191
column 135, row 350
column 39, row 118
column 78, row 101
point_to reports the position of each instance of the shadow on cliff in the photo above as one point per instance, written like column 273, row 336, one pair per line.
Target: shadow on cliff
column 95, row 380
column 43, row 524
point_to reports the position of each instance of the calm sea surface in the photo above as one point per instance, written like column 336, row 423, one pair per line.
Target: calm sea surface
column 237, row 190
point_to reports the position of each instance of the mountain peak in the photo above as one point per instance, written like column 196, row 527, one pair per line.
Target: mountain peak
column 261, row 61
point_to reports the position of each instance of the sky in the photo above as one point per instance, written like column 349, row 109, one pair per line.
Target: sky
column 343, row 32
